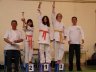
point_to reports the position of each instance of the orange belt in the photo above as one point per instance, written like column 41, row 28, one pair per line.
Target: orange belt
column 44, row 34
column 29, row 38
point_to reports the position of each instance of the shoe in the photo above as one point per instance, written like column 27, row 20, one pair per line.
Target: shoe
column 56, row 67
column 27, row 67
column 70, row 70
column 79, row 69
column 41, row 68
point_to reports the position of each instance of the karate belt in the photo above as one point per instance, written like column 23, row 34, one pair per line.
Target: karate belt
column 44, row 33
column 29, row 38
column 60, row 34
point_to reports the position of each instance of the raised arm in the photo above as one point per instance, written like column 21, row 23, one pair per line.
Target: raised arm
column 53, row 8
column 53, row 14
column 39, row 7
column 23, row 20
column 40, row 14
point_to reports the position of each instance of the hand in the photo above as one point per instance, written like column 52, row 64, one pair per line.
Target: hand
column 16, row 41
column 52, row 40
column 68, row 42
column 11, row 43
column 23, row 19
column 65, row 37
column 82, row 41
column 39, row 6
column 38, row 10
column 53, row 4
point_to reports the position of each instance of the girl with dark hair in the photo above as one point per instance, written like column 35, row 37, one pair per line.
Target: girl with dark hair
column 44, row 40
column 45, row 21
column 28, row 28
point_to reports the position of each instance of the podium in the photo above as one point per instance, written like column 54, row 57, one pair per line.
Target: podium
column 61, row 67
column 45, row 67
column 31, row 67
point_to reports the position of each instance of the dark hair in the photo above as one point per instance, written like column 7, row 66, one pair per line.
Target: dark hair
column 30, row 20
column 13, row 21
column 74, row 17
column 46, row 23
column 58, row 14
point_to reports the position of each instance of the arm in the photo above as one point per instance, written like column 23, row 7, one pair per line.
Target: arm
column 6, row 36
column 65, row 33
column 53, row 14
column 24, row 21
column 20, row 38
column 53, row 8
column 39, row 7
column 51, row 34
column 40, row 14
column 7, row 41
column 18, row 41
column 82, row 35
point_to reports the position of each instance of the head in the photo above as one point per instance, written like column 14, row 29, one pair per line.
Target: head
column 30, row 22
column 59, row 17
column 14, row 24
column 45, row 21
column 74, row 20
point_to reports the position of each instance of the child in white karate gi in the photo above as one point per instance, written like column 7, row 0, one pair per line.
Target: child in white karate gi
column 28, row 28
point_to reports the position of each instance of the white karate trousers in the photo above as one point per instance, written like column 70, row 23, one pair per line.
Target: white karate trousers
column 28, row 52
column 59, row 50
column 45, row 57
